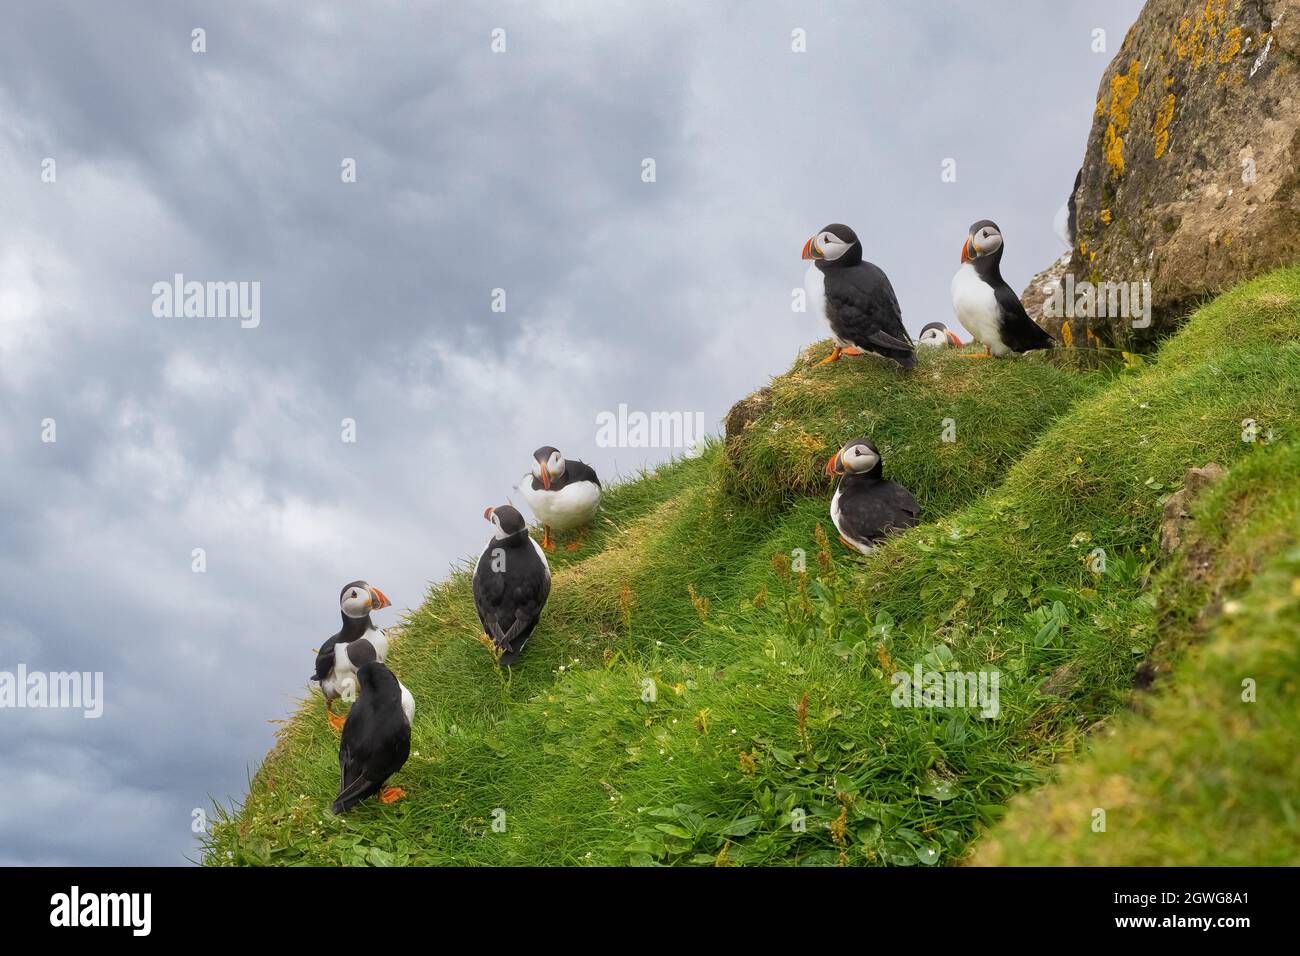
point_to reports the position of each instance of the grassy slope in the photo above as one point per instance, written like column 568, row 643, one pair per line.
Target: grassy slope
column 773, row 698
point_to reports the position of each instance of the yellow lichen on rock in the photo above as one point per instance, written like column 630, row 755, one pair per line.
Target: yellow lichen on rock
column 1163, row 118
column 1123, row 91
column 1231, row 45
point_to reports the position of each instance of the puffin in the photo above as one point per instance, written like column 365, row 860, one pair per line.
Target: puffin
column 938, row 335
column 511, row 583
column 563, row 494
column 376, row 740
column 865, row 507
column 985, row 304
column 860, row 304
column 357, row 643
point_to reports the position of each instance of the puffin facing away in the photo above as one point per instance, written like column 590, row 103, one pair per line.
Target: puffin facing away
column 985, row 304
column 356, row 643
column 511, row 583
column 376, row 740
column 563, row 494
column 938, row 335
column 861, row 307
column 866, row 507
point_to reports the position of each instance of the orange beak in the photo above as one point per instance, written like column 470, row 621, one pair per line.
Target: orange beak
column 833, row 466
column 952, row 339
column 379, row 600
column 546, row 475
column 487, row 514
column 965, row 251
column 810, row 251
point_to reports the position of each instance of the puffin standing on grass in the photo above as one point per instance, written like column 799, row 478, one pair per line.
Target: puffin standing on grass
column 985, row 304
column 563, row 494
column 866, row 507
column 938, row 335
column 376, row 740
column 861, row 306
column 357, row 643
column 511, row 584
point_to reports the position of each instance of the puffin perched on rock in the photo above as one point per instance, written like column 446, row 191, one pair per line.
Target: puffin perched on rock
column 511, row 583
column 938, row 335
column 860, row 304
column 866, row 507
column 563, row 494
column 357, row 643
column 376, row 740
column 985, row 304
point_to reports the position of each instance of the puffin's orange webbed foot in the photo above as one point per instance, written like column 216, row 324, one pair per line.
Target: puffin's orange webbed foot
column 848, row 544
column 547, row 543
column 391, row 794
column 336, row 721
column 575, row 545
column 852, row 350
column 986, row 354
column 832, row 357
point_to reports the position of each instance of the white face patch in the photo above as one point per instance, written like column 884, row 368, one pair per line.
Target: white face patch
column 831, row 246
column 356, row 602
column 932, row 337
column 986, row 240
column 497, row 531
column 859, row 459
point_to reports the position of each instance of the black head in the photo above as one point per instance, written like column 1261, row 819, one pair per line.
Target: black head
column 858, row 457
column 358, row 599
column 834, row 246
column 506, row 520
column 548, row 465
column 377, row 682
column 983, row 243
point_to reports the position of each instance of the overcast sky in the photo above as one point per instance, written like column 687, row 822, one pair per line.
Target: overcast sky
column 475, row 170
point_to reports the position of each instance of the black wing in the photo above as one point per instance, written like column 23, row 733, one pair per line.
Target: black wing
column 325, row 659
column 878, row 510
column 1020, row 333
column 579, row 471
column 489, row 590
column 864, row 310
column 375, row 745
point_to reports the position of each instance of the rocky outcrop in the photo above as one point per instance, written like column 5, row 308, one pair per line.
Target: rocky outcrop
column 1191, row 177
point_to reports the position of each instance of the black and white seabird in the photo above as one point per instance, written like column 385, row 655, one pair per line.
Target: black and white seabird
column 983, row 302
column 563, row 494
column 866, row 507
column 376, row 740
column 938, row 335
column 357, row 643
column 860, row 304
column 511, row 583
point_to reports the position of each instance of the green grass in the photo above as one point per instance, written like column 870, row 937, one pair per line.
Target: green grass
column 771, row 687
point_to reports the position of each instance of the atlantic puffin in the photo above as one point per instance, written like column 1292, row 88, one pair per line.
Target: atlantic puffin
column 938, row 335
column 357, row 643
column 563, row 494
column 985, row 304
column 376, row 740
column 860, row 304
column 511, row 583
column 866, row 507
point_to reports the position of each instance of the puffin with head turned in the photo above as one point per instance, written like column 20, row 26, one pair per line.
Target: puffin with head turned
column 511, row 584
column 563, row 494
column 860, row 304
column 865, row 507
column 985, row 304
column 357, row 643
column 938, row 335
column 376, row 740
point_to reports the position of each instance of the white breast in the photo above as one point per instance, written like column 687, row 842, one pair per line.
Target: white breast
column 542, row 554
column 571, row 507
column 835, row 519
column 976, row 308
column 408, row 703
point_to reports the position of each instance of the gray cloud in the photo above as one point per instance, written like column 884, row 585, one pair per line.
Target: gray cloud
column 475, row 171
